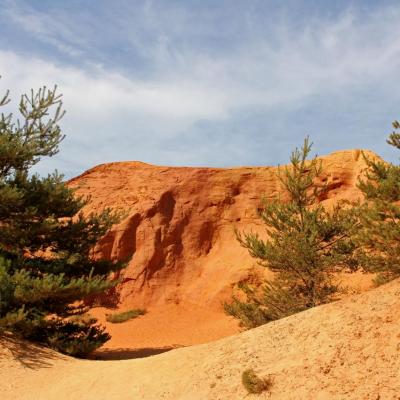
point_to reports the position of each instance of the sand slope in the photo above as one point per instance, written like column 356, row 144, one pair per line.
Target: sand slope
column 345, row 350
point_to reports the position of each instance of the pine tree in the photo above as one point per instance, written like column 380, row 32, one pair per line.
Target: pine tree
column 46, row 264
column 306, row 245
column 379, row 235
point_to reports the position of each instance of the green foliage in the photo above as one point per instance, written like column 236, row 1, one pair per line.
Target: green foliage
column 254, row 384
column 251, row 313
column 306, row 245
column 264, row 303
column 117, row 318
column 46, row 268
column 379, row 234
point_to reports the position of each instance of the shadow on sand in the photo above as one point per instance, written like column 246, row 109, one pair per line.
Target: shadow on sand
column 34, row 356
column 126, row 354
column 30, row 355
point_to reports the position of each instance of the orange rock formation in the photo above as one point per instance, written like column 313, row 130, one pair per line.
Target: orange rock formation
column 179, row 227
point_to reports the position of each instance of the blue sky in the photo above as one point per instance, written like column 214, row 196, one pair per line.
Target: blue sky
column 210, row 83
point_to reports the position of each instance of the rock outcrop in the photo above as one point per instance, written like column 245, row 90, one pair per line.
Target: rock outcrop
column 178, row 232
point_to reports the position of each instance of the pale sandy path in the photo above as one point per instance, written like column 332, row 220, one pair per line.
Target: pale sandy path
column 346, row 350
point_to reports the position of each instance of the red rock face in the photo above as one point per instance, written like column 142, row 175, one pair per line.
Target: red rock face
column 178, row 232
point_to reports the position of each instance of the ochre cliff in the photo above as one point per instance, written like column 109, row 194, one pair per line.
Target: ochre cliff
column 179, row 227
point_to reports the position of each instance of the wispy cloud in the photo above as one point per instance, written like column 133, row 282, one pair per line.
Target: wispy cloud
column 193, row 92
column 44, row 27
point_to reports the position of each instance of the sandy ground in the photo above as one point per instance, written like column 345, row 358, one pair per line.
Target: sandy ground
column 172, row 326
column 346, row 350
column 163, row 328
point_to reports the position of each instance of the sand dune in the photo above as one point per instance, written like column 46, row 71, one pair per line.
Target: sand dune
column 344, row 350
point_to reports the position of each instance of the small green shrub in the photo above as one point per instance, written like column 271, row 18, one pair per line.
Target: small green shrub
column 117, row 318
column 255, row 384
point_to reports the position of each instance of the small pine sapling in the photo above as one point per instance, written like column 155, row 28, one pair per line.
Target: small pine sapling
column 306, row 246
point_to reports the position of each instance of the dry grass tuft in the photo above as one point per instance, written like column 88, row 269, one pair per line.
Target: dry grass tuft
column 255, row 384
column 117, row 318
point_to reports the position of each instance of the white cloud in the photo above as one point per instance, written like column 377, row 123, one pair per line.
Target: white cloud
column 99, row 93
column 323, row 58
column 45, row 27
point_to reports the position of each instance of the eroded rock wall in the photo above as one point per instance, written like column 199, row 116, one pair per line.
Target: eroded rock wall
column 179, row 227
